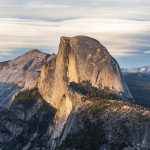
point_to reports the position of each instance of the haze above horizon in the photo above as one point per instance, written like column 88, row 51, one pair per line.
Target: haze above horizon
column 121, row 26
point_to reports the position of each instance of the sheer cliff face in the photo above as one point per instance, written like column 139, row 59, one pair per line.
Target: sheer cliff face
column 79, row 59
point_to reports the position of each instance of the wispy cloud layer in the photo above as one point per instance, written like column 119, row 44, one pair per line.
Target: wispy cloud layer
column 122, row 26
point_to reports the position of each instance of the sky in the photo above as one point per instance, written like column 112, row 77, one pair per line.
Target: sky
column 122, row 26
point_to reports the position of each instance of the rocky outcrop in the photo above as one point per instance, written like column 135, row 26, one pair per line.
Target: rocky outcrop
column 20, row 74
column 108, row 125
column 27, row 122
column 80, row 59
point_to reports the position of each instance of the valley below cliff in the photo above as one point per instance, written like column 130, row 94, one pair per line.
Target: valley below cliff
column 138, row 80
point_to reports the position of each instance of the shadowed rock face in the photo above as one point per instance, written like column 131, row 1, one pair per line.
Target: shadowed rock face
column 20, row 74
column 27, row 123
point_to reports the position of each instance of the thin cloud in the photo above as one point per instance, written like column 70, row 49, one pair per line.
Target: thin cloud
column 147, row 52
column 116, row 34
column 122, row 26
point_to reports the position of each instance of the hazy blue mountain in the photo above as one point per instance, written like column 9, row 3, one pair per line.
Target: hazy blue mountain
column 138, row 80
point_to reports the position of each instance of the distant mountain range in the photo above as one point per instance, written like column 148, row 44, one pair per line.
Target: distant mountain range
column 144, row 70
column 138, row 80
